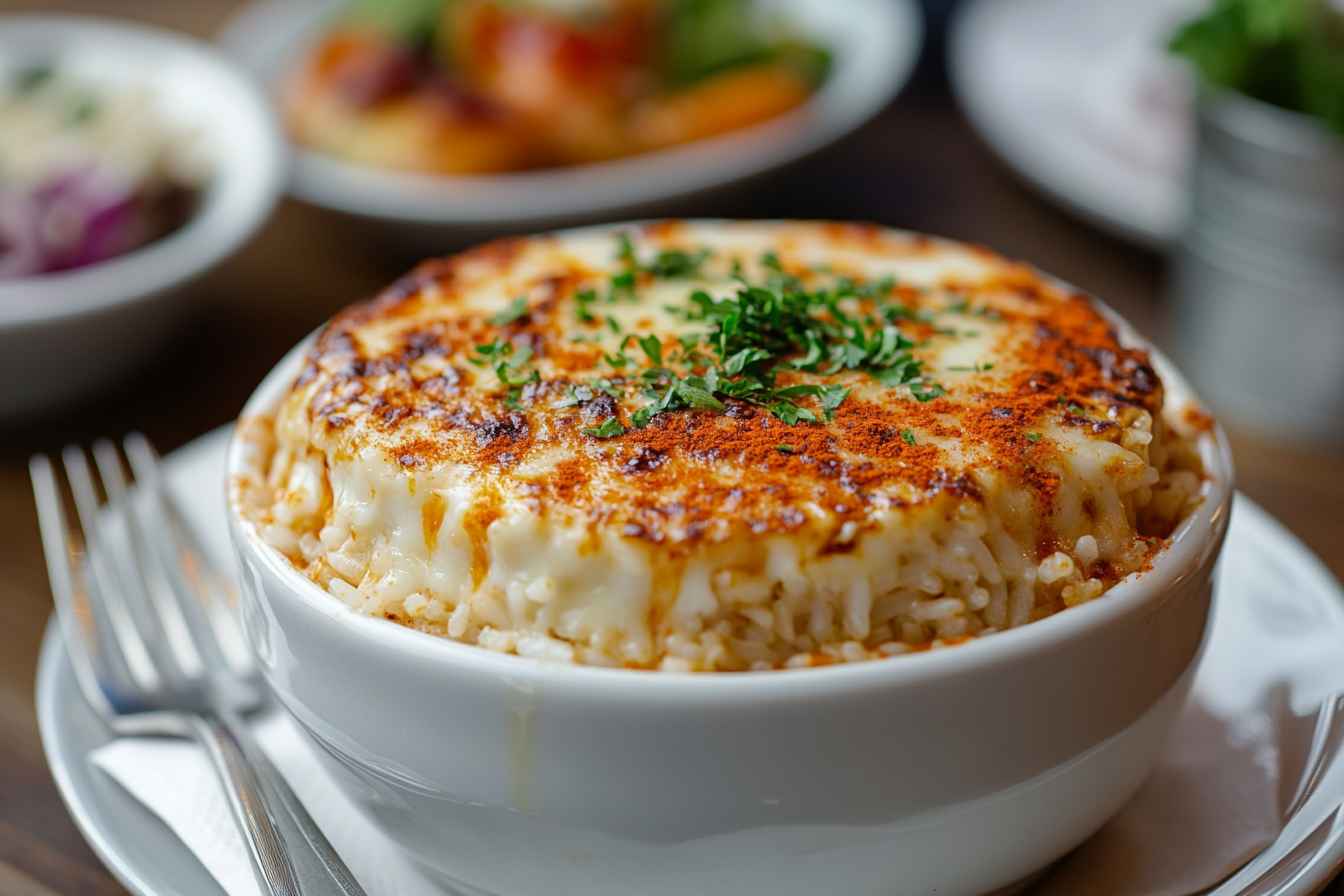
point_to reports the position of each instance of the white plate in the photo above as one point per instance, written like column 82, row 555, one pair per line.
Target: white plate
column 876, row 43
column 1081, row 100
column 1260, row 556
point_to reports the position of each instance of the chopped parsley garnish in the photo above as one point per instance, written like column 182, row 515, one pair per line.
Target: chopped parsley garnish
column 517, row 309
column 653, row 348
column 908, row 437
column 667, row 264
column 28, row 79
column 583, row 300
column 672, row 264
column 765, row 329
column 625, row 252
column 927, row 392
column 784, row 449
column 831, row 398
column 508, row 361
column 488, row 351
column 1033, row 437
column 621, row 287
column 973, row 368
column 609, row 428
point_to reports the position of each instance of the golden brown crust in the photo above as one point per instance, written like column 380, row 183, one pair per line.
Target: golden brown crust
column 396, row 372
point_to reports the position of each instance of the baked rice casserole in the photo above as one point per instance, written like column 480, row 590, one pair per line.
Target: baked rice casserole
column 720, row 446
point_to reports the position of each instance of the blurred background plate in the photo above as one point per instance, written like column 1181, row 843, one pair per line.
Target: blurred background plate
column 63, row 333
column 1082, row 101
column 875, row 44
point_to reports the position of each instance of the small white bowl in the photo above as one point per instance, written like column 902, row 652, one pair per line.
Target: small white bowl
column 875, row 42
column 956, row 771
column 63, row 333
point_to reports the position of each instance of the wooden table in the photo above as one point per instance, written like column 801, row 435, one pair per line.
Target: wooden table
column 918, row 166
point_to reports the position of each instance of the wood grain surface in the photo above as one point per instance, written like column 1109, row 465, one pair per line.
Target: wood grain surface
column 918, row 165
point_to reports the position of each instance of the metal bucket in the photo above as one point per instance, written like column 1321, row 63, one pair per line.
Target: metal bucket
column 1258, row 278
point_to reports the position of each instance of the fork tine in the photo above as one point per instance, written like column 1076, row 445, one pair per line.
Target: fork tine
column 126, row 633
column 119, row 572
column 197, row 582
column 166, row 616
column 73, row 610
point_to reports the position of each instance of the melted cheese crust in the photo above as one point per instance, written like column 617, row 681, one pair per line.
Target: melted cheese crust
column 407, row 478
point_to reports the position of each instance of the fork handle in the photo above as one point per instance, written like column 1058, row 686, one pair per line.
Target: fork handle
column 247, row 800
column 336, row 870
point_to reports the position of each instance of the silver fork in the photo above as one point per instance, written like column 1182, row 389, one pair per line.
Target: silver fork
column 156, row 648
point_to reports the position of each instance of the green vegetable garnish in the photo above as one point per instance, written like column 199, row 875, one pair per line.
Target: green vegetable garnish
column 517, row 308
column 706, row 37
column 413, row 22
column 31, row 77
column 765, row 329
column 1286, row 52
column 607, row 429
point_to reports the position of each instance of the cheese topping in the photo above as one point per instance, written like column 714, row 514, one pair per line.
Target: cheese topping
column 719, row 446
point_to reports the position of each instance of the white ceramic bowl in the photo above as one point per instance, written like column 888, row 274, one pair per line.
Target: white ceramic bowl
column 63, row 333
column 876, row 44
column 956, row 771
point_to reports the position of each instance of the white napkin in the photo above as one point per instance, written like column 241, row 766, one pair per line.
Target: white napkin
column 1214, row 800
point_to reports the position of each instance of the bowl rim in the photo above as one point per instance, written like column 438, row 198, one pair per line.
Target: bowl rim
column 862, row 85
column 232, row 206
column 1192, row 546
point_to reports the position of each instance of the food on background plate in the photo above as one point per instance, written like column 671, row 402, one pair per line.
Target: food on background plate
column 88, row 172
column 1286, row 52
column 476, row 86
column 720, row 446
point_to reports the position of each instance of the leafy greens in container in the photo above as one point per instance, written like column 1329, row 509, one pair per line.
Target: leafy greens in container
column 1286, row 52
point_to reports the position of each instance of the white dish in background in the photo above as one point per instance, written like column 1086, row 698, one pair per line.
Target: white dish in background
column 1262, row 563
column 877, row 43
column 65, row 332
column 1082, row 101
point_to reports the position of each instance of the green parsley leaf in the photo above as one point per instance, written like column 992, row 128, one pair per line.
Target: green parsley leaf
column 791, row 413
column 926, row 392
column 621, row 287
column 1033, row 437
column 672, row 264
column 908, row 436
column 653, row 348
column 607, row 429
column 625, row 252
column 517, row 309
column 831, row 398
column 486, row 352
column 697, row 396
column 583, row 300
column 784, row 449
column 31, row 77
